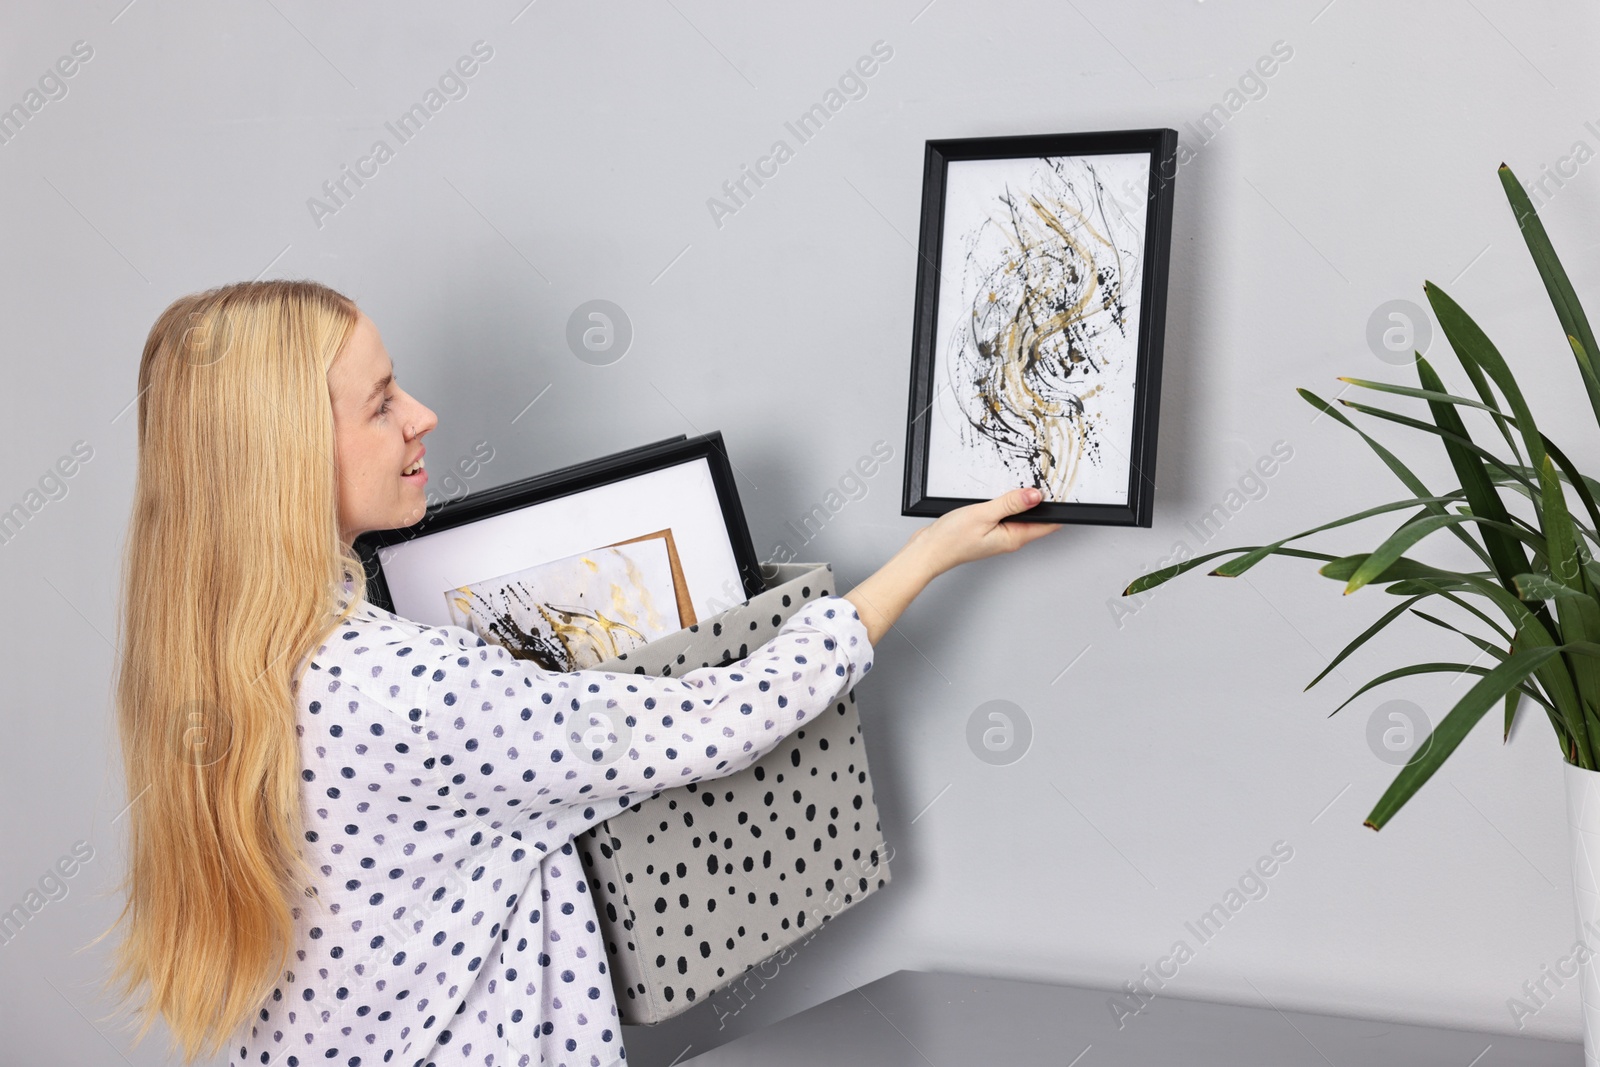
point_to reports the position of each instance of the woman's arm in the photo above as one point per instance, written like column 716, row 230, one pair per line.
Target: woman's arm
column 511, row 742
column 960, row 536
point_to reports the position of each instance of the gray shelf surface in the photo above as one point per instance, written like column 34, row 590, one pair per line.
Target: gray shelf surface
column 927, row 1019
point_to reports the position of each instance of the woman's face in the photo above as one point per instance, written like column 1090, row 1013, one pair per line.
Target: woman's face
column 377, row 431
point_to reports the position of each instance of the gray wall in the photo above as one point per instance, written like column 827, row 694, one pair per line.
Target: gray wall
column 1176, row 749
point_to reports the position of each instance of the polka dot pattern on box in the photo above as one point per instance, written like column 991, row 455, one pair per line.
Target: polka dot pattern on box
column 699, row 885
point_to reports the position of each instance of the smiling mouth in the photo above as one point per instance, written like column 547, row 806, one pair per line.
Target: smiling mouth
column 415, row 468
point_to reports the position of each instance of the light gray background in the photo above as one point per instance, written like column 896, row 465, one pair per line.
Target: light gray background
column 1178, row 745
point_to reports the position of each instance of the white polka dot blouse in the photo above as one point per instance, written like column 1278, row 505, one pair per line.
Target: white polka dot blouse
column 443, row 783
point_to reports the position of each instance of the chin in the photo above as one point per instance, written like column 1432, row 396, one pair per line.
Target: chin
column 416, row 513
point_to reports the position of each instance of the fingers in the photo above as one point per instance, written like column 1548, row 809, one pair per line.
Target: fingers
column 1012, row 501
column 1027, row 497
column 1033, row 531
column 1022, row 533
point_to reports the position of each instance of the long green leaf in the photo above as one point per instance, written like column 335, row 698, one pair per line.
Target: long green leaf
column 1470, row 342
column 1580, row 615
column 1533, row 629
column 1390, row 460
column 1525, row 689
column 1590, row 720
column 1556, row 677
column 1479, row 643
column 1576, row 480
column 1544, row 587
column 1394, row 547
column 1590, row 484
column 1448, row 735
column 1468, row 607
column 1499, row 653
column 1407, row 672
column 1585, row 364
column 1422, row 394
column 1481, row 383
column 1509, row 558
column 1398, row 570
column 1513, row 470
column 1394, row 613
column 1149, row 581
column 1365, row 635
column 1237, row 566
column 1413, row 586
column 1553, row 675
column 1535, row 497
column 1574, row 323
column 1481, row 583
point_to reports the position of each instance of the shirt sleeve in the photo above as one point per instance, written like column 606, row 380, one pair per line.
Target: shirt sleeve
column 515, row 741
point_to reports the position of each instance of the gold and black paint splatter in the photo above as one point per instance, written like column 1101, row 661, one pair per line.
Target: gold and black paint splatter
column 1050, row 280
column 578, row 638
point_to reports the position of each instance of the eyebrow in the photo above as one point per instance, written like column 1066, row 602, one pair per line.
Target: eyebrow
column 382, row 384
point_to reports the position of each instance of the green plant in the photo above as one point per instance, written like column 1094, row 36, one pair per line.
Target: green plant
column 1539, row 574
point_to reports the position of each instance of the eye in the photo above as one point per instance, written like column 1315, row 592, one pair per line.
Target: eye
column 383, row 408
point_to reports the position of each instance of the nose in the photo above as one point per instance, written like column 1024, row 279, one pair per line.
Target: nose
column 421, row 422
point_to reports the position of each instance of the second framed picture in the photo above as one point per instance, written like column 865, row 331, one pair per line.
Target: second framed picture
column 573, row 567
column 1040, row 309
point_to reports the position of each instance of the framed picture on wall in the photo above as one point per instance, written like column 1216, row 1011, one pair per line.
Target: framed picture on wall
column 575, row 566
column 1040, row 309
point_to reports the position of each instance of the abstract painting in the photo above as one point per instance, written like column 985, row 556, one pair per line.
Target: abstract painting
column 678, row 490
column 572, row 613
column 1041, row 297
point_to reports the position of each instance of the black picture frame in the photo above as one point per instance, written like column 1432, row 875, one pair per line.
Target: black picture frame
column 1161, row 147
column 579, row 477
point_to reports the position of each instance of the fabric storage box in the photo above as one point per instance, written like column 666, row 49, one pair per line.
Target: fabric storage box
column 643, row 862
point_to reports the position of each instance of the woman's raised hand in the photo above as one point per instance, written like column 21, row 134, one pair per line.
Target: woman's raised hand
column 956, row 537
column 978, row 531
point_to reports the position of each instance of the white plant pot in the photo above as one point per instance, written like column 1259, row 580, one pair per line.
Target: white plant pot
column 1583, row 836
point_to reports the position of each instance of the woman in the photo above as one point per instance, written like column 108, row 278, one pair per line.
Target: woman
column 351, row 833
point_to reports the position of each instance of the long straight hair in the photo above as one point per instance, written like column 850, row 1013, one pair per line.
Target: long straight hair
column 232, row 573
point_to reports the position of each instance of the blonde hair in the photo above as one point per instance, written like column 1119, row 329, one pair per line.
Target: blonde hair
column 231, row 572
